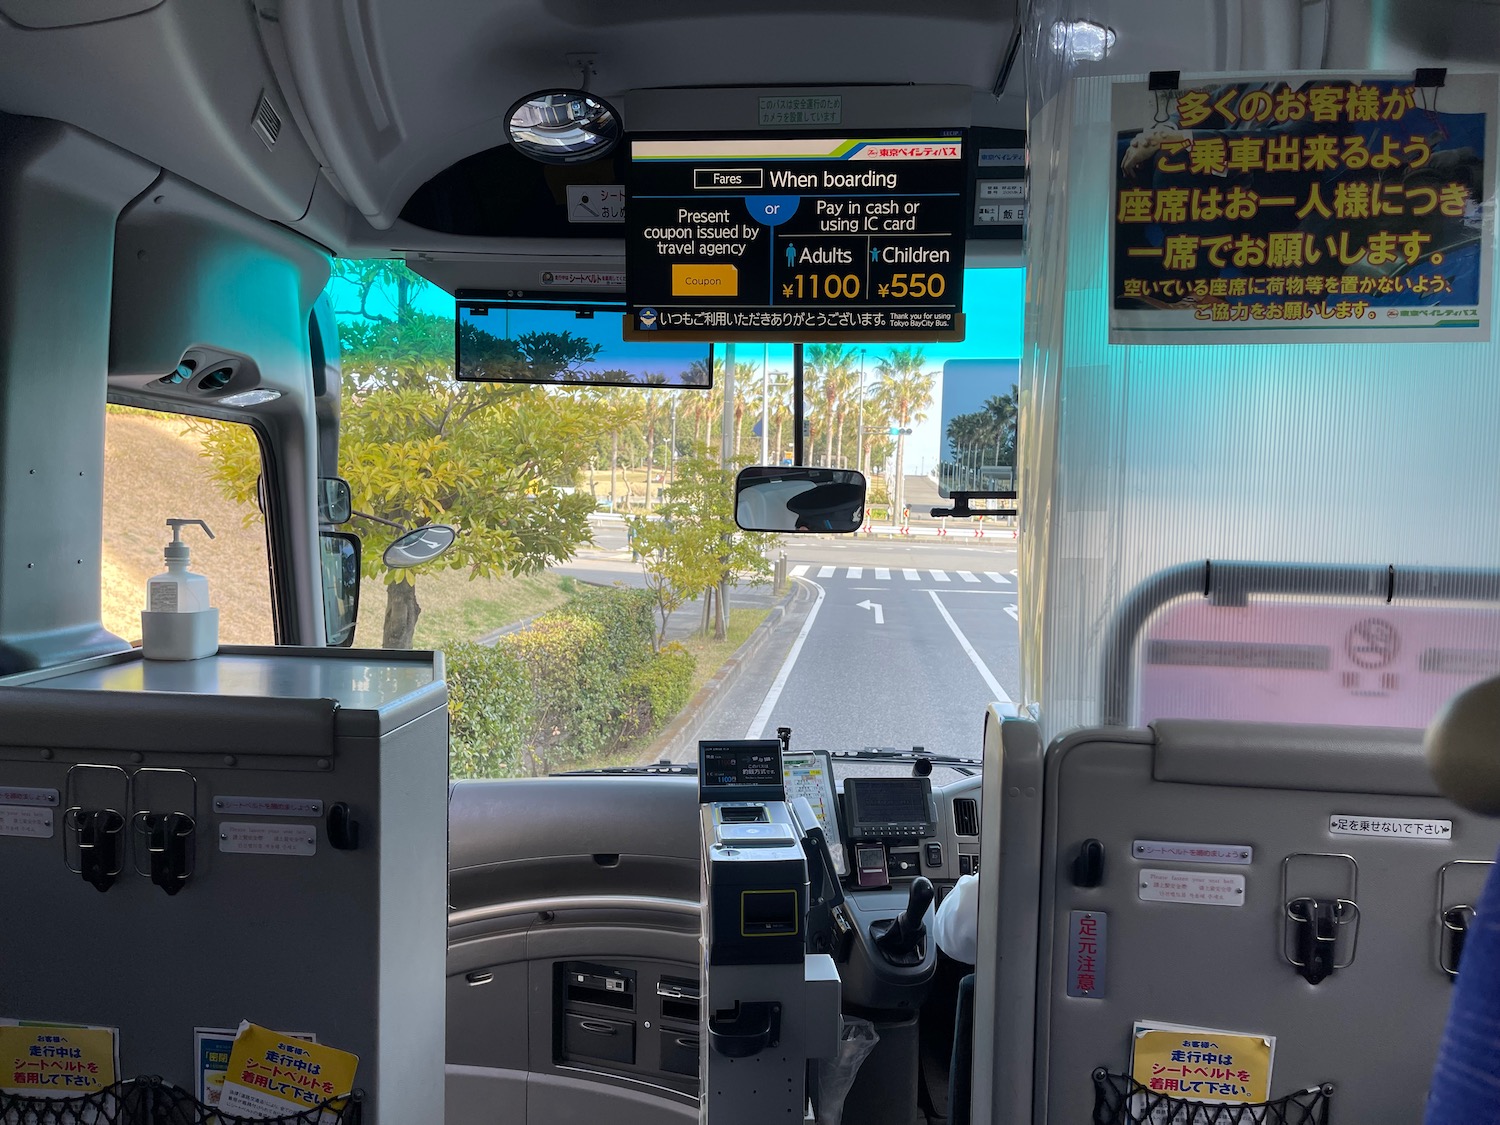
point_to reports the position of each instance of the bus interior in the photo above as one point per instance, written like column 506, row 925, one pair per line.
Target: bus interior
column 1176, row 710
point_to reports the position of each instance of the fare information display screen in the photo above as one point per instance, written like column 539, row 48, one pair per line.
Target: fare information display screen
column 809, row 774
column 740, row 770
column 796, row 238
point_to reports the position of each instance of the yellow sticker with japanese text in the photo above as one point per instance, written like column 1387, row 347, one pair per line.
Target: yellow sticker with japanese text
column 54, row 1061
column 1198, row 1064
column 270, row 1070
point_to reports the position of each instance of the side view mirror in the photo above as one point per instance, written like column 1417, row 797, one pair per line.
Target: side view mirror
column 796, row 498
column 340, row 557
column 420, row 546
column 333, row 500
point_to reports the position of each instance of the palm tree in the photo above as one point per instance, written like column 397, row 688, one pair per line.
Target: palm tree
column 905, row 390
column 838, row 374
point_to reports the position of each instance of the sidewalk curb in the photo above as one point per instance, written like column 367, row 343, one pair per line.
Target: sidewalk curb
column 682, row 733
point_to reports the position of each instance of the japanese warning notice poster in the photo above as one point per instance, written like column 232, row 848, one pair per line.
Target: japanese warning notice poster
column 1304, row 209
column 1201, row 1065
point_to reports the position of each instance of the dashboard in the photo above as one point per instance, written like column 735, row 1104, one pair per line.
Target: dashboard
column 885, row 829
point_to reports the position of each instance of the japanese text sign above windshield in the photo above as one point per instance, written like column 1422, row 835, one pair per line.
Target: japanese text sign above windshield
column 1303, row 210
column 796, row 238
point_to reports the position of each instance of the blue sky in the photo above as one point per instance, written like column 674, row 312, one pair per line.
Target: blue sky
column 993, row 304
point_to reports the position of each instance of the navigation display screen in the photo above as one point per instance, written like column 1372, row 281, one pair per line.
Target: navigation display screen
column 512, row 342
column 797, row 238
column 740, row 770
column 889, row 806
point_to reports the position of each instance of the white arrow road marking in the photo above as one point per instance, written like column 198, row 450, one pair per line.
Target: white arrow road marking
column 879, row 613
column 1013, row 611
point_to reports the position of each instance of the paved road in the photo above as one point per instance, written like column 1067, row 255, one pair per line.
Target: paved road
column 920, row 671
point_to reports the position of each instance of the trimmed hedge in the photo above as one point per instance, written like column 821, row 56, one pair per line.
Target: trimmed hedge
column 489, row 711
column 575, row 684
column 657, row 690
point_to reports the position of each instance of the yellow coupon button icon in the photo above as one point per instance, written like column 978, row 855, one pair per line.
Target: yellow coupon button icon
column 705, row 281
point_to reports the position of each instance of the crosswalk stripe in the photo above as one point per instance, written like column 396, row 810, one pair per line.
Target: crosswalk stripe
column 940, row 576
column 856, row 572
column 799, row 571
column 826, row 571
column 966, row 576
column 883, row 573
column 909, row 575
column 996, row 576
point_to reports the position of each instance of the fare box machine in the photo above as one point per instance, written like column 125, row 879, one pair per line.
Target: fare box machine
column 770, row 1007
column 257, row 835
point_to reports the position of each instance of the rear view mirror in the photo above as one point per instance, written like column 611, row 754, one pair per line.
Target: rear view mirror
column 798, row 498
column 333, row 500
column 340, row 565
column 420, row 546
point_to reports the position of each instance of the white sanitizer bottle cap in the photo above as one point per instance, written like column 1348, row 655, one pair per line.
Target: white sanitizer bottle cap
column 177, row 550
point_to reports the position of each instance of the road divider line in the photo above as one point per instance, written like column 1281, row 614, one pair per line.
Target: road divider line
column 799, row 570
column 909, row 575
column 963, row 643
column 826, row 571
column 763, row 716
column 856, row 572
column 883, row 573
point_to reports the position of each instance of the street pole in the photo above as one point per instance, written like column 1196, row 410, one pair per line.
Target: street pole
column 765, row 405
column 861, row 434
column 672, row 453
column 726, row 435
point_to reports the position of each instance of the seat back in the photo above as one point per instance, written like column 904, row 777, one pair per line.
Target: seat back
column 1211, row 835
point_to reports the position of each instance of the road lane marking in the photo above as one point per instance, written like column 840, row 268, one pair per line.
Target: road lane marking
column 883, row 573
column 1016, row 573
column 996, row 576
column 1014, row 612
column 856, row 572
column 966, row 576
column 940, row 576
column 909, row 575
column 763, row 716
column 963, row 643
column 799, row 570
column 826, row 571
column 879, row 612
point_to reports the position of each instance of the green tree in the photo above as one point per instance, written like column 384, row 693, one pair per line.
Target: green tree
column 905, row 391
column 694, row 548
column 419, row 447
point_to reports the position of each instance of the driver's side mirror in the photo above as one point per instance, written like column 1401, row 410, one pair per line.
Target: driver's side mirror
column 797, row 498
column 333, row 500
column 340, row 557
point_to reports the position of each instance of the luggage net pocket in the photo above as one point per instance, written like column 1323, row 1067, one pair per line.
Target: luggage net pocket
column 150, row 1101
column 1121, row 1100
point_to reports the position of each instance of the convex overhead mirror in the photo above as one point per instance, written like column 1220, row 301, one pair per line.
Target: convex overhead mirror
column 419, row 546
column 797, row 498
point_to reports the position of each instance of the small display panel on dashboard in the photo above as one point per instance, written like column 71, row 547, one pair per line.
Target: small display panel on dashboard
column 889, row 807
column 745, row 769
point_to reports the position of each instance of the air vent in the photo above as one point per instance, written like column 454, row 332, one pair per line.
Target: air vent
column 966, row 816
column 267, row 123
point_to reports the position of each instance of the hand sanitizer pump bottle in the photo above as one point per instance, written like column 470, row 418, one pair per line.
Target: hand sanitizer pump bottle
column 178, row 623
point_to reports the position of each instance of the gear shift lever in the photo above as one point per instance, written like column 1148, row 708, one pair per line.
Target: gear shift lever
column 899, row 938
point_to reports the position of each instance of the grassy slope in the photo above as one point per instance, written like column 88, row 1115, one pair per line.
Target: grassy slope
column 153, row 470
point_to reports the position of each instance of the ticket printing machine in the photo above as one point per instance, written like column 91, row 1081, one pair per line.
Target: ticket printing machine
column 770, row 1006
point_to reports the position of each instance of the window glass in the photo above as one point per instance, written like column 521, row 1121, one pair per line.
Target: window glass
column 598, row 583
column 160, row 466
